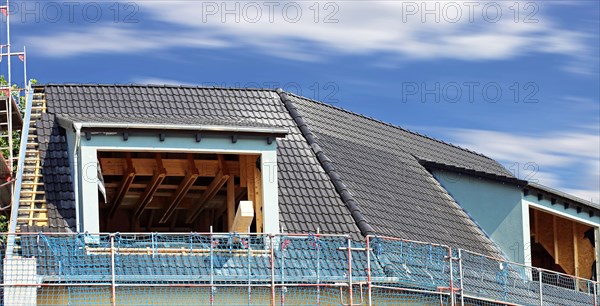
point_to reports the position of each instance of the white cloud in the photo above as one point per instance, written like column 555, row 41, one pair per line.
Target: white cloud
column 362, row 27
column 543, row 158
column 104, row 39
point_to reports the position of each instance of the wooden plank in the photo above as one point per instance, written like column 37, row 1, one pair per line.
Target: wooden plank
column 243, row 217
column 210, row 192
column 575, row 249
column 175, row 167
column 258, row 199
column 222, row 164
column 536, row 225
column 585, row 251
column 555, row 236
column 230, row 202
column 126, row 182
column 564, row 241
column 242, row 170
column 188, row 181
column 146, row 198
column 249, row 169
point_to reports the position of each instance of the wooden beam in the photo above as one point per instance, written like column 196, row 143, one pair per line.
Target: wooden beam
column 536, row 225
column 210, row 192
column 175, row 167
column 222, row 164
column 124, row 187
column 575, row 249
column 157, row 179
column 555, row 231
column 242, row 169
column 230, row 202
column 188, row 181
column 258, row 199
column 243, row 217
column 250, row 177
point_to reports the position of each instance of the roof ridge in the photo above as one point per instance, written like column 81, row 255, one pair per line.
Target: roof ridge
column 389, row 124
column 154, row 86
column 346, row 197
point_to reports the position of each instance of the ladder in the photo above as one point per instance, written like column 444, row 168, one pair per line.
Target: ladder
column 10, row 121
column 33, row 209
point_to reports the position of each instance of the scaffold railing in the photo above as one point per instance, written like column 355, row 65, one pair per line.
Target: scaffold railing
column 264, row 269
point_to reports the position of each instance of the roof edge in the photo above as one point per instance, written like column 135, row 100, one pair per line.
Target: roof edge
column 66, row 122
column 43, row 86
column 485, row 175
column 563, row 195
column 364, row 226
column 395, row 126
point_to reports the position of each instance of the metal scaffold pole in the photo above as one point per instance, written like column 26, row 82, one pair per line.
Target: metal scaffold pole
column 12, row 110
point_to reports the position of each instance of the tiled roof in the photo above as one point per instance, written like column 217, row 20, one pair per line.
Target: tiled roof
column 335, row 170
column 380, row 165
column 307, row 198
column 56, row 175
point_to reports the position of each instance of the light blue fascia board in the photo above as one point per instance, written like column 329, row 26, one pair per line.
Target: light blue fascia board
column 183, row 143
column 559, row 209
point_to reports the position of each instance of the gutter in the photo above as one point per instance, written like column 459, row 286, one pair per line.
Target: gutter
column 364, row 227
column 67, row 123
column 77, row 128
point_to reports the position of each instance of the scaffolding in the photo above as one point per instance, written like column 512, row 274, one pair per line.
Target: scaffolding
column 11, row 112
column 255, row 269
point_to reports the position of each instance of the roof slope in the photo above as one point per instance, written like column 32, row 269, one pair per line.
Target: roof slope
column 337, row 169
column 379, row 164
column 307, row 198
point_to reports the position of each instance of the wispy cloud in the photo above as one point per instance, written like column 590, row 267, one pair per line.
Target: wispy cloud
column 306, row 31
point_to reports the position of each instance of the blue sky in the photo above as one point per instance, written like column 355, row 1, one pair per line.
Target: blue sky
column 517, row 81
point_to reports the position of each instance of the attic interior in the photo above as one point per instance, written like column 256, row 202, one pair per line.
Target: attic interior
column 560, row 244
column 177, row 192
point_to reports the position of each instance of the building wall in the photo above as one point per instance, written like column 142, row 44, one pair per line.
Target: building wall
column 496, row 207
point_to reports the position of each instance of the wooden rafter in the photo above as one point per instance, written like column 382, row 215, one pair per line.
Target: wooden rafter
column 188, row 181
column 210, row 192
column 123, row 188
column 146, row 197
column 175, row 167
